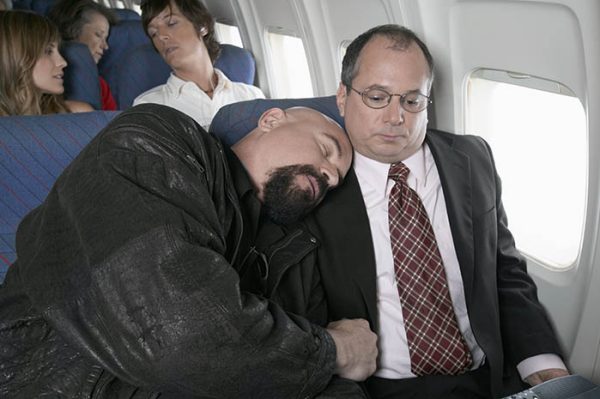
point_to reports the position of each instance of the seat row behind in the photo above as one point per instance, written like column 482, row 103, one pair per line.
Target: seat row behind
column 130, row 65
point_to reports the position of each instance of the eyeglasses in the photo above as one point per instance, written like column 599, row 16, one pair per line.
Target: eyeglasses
column 412, row 101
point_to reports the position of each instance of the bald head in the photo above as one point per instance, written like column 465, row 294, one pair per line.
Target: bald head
column 294, row 157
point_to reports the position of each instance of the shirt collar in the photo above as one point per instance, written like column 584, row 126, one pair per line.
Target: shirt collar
column 374, row 174
column 179, row 85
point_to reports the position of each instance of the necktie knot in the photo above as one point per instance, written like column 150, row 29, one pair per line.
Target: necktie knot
column 398, row 172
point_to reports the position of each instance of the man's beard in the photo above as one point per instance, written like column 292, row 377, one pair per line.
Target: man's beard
column 284, row 201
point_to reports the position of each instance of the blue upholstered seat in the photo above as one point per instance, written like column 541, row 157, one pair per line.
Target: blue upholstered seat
column 143, row 68
column 234, row 121
column 125, row 14
column 81, row 74
column 237, row 63
column 124, row 37
column 22, row 4
column 41, row 7
column 34, row 150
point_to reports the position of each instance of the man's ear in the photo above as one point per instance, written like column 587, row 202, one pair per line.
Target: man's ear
column 271, row 118
column 340, row 98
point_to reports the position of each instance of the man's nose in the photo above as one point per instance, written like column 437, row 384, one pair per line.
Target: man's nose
column 394, row 113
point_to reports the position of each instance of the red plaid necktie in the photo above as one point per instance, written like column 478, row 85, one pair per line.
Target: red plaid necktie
column 435, row 343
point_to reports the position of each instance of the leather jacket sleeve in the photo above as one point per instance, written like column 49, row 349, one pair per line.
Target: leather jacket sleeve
column 131, row 244
column 284, row 270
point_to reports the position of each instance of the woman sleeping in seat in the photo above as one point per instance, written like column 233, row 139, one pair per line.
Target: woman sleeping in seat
column 87, row 22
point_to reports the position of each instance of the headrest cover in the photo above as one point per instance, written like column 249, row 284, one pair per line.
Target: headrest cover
column 234, row 121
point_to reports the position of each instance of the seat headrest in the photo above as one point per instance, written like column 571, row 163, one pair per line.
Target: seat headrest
column 81, row 74
column 234, row 121
column 236, row 63
column 125, row 14
column 124, row 37
column 144, row 70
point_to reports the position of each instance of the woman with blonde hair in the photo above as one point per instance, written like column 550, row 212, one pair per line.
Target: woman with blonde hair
column 31, row 67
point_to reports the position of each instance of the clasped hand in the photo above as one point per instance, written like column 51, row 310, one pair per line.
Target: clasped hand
column 356, row 346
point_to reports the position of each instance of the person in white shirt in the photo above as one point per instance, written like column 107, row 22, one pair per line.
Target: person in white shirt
column 505, row 336
column 182, row 31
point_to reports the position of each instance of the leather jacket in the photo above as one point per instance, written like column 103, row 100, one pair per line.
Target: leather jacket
column 126, row 285
column 282, row 268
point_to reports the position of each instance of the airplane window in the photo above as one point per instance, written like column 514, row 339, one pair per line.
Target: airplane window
column 537, row 130
column 228, row 34
column 289, row 66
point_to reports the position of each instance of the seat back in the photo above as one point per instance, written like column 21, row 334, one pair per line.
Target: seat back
column 143, row 68
column 125, row 14
column 21, row 4
column 81, row 74
column 124, row 37
column 34, row 150
column 237, row 63
column 232, row 122
column 41, row 7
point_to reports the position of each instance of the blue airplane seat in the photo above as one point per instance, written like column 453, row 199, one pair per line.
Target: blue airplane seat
column 21, row 4
column 34, row 150
column 143, row 68
column 125, row 14
column 38, row 6
column 42, row 6
column 81, row 74
column 237, row 63
column 124, row 37
column 234, row 121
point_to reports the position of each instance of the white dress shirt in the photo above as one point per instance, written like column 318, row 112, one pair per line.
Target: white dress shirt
column 394, row 358
column 188, row 98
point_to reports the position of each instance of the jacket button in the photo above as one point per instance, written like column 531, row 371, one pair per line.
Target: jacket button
column 313, row 240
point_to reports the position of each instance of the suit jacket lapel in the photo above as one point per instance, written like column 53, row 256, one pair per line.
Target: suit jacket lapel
column 344, row 226
column 455, row 175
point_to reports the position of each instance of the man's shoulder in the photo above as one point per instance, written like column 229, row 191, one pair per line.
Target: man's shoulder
column 466, row 142
column 154, row 95
column 152, row 125
column 245, row 91
column 449, row 136
column 158, row 94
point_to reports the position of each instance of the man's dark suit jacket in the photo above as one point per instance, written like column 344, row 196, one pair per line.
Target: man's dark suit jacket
column 507, row 319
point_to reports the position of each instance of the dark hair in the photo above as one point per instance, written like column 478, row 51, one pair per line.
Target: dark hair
column 402, row 38
column 194, row 11
column 71, row 15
